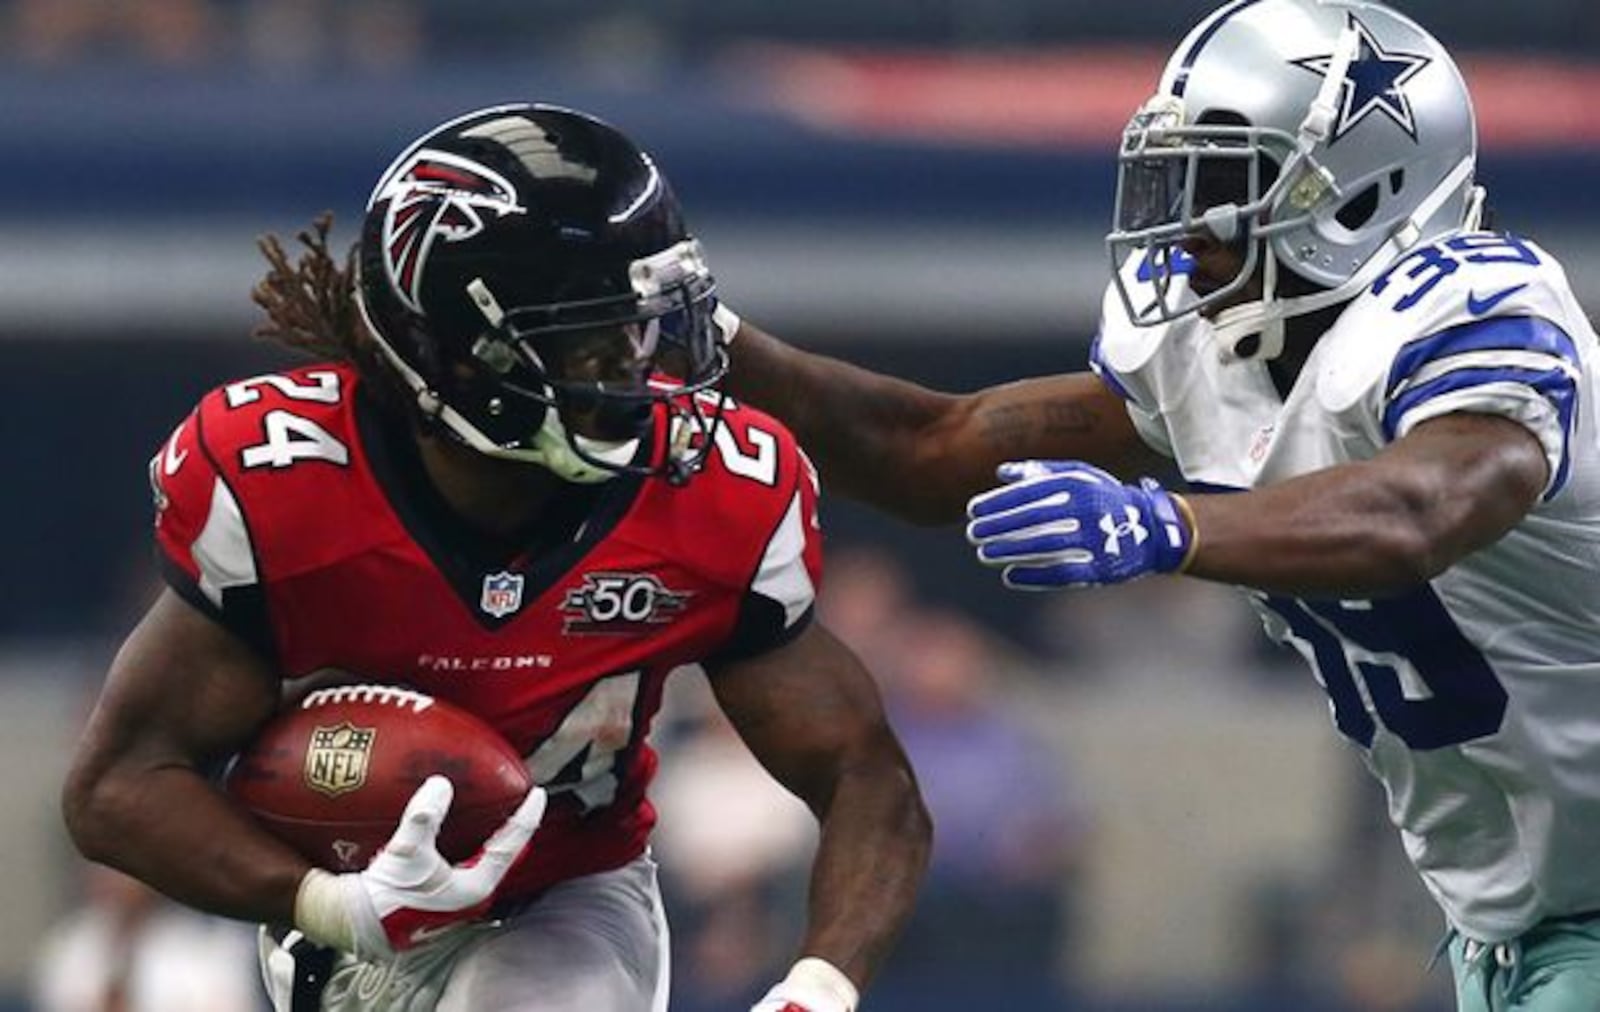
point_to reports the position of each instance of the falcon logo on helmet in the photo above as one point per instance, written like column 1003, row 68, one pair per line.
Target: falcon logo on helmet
column 436, row 195
column 526, row 272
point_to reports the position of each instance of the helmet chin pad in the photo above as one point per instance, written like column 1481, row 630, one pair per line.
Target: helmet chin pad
column 570, row 456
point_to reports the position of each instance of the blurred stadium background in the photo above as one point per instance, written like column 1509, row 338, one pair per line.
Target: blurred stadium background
column 1140, row 807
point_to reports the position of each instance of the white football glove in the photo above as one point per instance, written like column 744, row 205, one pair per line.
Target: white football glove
column 410, row 893
column 813, row 985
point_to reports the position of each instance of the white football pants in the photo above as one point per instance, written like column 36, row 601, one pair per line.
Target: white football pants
column 592, row 944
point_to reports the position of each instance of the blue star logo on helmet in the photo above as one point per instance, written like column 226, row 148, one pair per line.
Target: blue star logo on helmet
column 1374, row 82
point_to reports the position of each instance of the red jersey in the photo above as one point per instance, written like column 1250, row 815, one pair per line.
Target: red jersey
column 290, row 511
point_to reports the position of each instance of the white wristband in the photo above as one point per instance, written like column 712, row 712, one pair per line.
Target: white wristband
column 819, row 986
column 726, row 321
column 321, row 913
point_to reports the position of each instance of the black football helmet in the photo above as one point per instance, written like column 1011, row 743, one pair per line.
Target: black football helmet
column 526, row 271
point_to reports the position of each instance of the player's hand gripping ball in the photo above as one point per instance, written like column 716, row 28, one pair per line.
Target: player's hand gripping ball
column 332, row 776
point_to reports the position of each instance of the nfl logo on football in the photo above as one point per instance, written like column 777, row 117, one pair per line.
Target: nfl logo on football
column 502, row 594
column 336, row 761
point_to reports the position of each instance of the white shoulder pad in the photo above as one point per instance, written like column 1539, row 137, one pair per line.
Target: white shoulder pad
column 1148, row 367
column 1124, row 346
column 222, row 551
column 1457, row 280
column 782, row 576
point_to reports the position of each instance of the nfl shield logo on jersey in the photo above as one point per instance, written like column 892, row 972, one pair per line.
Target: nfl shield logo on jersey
column 502, row 594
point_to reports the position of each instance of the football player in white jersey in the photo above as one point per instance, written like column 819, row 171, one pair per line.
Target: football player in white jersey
column 1384, row 417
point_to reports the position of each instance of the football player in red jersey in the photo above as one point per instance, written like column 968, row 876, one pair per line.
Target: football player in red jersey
column 514, row 485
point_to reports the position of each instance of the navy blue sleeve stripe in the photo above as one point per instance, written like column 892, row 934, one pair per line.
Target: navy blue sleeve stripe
column 1557, row 386
column 1097, row 363
column 1502, row 333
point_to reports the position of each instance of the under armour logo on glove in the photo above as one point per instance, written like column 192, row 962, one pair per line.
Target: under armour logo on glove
column 1128, row 528
column 1063, row 523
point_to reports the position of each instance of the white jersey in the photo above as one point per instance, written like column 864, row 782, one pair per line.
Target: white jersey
column 1476, row 698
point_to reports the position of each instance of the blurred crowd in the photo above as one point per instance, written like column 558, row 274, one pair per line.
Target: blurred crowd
column 390, row 35
column 124, row 948
column 280, row 35
column 993, row 923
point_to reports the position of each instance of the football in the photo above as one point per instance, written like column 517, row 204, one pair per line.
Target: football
column 331, row 776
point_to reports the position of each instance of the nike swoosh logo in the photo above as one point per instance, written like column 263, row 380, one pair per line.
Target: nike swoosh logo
column 427, row 933
column 1482, row 307
column 171, row 461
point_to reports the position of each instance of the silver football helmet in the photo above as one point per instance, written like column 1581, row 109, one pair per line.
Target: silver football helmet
column 1322, row 137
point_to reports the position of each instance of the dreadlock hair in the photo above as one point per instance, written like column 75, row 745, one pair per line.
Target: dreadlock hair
column 310, row 302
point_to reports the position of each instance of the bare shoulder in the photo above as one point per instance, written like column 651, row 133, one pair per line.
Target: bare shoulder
column 811, row 686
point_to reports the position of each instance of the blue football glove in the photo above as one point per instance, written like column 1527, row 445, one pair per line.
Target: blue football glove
column 1063, row 523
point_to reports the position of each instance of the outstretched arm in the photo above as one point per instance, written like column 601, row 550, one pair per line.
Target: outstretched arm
column 1450, row 487
column 918, row 453
column 1453, row 485
column 811, row 714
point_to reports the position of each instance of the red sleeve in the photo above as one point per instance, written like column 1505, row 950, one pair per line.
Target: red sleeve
column 202, row 540
column 181, row 480
column 780, row 595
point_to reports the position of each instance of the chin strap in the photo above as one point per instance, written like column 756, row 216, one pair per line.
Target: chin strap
column 1234, row 329
column 553, row 448
column 727, row 322
column 1477, row 200
column 1324, row 112
column 1253, row 330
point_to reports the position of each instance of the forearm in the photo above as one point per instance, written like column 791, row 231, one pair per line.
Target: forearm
column 876, row 838
column 864, row 430
column 175, row 831
column 918, row 453
column 1357, row 530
